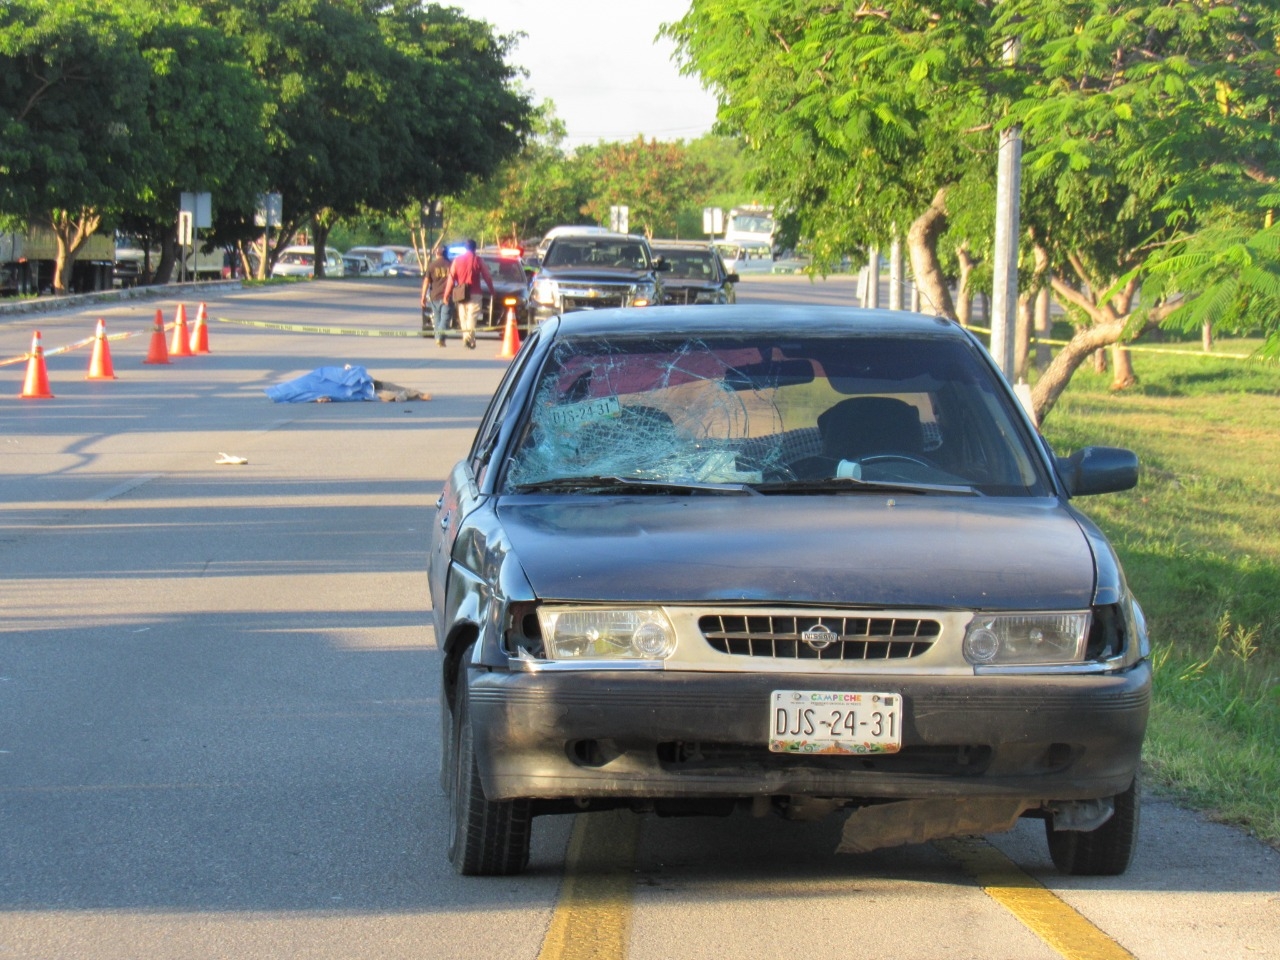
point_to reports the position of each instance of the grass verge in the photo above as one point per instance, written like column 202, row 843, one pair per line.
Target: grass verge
column 1200, row 541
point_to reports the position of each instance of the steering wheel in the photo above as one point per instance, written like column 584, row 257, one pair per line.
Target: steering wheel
column 908, row 458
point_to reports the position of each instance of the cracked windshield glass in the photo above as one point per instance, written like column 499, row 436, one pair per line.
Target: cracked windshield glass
column 727, row 410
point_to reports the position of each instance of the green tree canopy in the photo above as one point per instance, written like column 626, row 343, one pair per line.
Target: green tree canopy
column 73, row 115
column 373, row 105
column 1143, row 121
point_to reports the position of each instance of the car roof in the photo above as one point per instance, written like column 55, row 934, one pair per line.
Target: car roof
column 598, row 233
column 754, row 319
column 681, row 244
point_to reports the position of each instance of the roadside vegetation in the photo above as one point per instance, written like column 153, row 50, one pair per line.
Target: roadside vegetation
column 1200, row 542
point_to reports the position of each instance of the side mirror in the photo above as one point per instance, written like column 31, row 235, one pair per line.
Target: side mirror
column 1098, row 470
column 732, row 278
column 660, row 264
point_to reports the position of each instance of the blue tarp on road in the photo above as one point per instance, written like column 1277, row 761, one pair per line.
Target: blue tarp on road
column 329, row 383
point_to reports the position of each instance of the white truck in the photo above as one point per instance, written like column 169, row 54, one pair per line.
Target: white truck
column 750, row 230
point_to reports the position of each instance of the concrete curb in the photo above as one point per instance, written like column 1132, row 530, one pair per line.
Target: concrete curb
column 77, row 301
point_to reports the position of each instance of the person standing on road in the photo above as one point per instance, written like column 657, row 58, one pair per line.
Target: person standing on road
column 463, row 288
column 434, row 296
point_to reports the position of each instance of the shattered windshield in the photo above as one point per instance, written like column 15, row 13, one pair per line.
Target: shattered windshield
column 775, row 414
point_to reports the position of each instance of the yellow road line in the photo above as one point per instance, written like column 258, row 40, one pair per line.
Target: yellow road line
column 1038, row 908
column 592, row 919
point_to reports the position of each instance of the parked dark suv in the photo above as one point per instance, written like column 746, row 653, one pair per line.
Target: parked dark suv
column 590, row 270
column 695, row 273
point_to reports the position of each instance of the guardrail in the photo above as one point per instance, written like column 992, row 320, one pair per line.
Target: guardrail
column 75, row 301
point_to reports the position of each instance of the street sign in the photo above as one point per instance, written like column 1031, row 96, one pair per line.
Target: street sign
column 270, row 210
column 712, row 220
column 185, row 232
column 619, row 219
column 200, row 206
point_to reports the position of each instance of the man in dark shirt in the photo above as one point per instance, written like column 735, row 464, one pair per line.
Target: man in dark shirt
column 467, row 272
column 434, row 279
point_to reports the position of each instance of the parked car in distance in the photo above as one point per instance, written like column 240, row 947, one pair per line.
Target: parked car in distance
column 300, row 261
column 404, row 268
column 380, row 258
column 554, row 232
column 695, row 273
column 591, row 270
column 354, row 265
column 796, row 560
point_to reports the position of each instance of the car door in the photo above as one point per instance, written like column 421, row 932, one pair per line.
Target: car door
column 462, row 489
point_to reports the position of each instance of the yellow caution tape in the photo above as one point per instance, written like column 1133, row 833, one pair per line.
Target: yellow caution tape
column 332, row 331
column 1137, row 348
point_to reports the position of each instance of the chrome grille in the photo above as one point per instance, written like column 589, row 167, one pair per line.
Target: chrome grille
column 599, row 302
column 850, row 638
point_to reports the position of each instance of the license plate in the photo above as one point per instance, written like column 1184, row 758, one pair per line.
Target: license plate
column 832, row 722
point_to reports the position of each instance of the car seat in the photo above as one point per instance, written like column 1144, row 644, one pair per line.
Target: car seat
column 865, row 426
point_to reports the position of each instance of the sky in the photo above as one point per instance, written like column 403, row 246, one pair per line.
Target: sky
column 598, row 61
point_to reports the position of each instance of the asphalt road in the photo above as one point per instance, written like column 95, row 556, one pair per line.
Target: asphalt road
column 218, row 716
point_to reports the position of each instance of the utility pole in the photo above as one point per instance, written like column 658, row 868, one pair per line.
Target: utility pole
column 1004, row 289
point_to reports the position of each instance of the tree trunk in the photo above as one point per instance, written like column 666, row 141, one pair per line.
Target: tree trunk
column 1122, row 377
column 1079, row 348
column 322, row 224
column 168, row 255
column 964, row 294
column 922, row 240
column 1022, row 336
column 71, row 234
column 1044, row 326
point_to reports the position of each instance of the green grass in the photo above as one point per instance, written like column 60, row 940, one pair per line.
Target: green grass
column 1200, row 542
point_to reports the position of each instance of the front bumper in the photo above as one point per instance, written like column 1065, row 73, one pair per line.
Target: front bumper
column 622, row 734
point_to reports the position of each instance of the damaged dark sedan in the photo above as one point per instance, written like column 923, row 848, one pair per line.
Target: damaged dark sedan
column 802, row 561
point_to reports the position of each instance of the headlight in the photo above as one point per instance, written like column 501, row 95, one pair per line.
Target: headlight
column 544, row 292
column 595, row 633
column 1026, row 638
column 642, row 294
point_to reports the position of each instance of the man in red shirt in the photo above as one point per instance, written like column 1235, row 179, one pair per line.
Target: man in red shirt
column 466, row 272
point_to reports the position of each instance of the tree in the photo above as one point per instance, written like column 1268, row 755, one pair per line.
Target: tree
column 372, row 106
column 206, row 108
column 73, row 93
column 651, row 178
column 868, row 118
column 531, row 192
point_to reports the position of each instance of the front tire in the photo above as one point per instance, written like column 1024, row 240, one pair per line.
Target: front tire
column 1104, row 852
column 486, row 838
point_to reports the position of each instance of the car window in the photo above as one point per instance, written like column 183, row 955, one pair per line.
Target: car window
column 733, row 411
column 506, row 270
column 691, row 265
column 588, row 252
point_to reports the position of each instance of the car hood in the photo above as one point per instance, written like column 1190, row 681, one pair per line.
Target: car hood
column 689, row 283
column 594, row 275
column 864, row 549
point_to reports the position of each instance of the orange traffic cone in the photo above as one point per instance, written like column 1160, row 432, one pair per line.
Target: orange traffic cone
column 200, row 333
column 100, row 367
column 180, row 345
column 36, row 386
column 510, row 336
column 158, row 352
